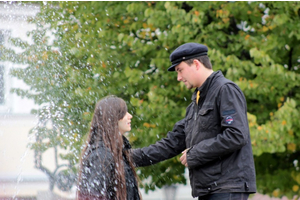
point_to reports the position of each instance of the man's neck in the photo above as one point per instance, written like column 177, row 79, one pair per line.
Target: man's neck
column 205, row 75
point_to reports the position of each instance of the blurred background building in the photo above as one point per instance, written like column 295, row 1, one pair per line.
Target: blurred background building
column 18, row 177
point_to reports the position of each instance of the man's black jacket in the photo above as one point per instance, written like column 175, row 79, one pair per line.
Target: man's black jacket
column 216, row 134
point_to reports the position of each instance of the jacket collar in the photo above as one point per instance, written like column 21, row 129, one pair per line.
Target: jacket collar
column 206, row 85
column 126, row 144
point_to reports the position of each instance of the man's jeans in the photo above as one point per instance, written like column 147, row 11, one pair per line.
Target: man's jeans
column 225, row 196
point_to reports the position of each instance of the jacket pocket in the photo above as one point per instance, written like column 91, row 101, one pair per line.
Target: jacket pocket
column 205, row 117
column 208, row 174
column 188, row 122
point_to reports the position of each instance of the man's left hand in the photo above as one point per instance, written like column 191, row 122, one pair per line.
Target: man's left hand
column 183, row 159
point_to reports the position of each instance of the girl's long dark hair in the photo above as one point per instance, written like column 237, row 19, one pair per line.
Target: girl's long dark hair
column 104, row 129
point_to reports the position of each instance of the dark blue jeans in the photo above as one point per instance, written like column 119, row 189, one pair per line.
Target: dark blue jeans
column 225, row 196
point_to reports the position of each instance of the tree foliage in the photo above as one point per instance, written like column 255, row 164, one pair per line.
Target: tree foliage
column 123, row 48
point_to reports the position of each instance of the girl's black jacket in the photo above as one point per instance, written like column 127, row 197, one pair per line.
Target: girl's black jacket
column 97, row 175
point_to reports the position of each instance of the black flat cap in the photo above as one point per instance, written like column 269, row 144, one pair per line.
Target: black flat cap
column 186, row 52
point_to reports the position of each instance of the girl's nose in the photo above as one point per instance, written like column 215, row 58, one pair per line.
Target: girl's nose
column 129, row 116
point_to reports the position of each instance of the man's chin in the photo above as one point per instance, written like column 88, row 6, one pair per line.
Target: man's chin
column 189, row 87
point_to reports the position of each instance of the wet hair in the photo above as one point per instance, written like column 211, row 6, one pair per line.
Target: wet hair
column 104, row 129
column 203, row 59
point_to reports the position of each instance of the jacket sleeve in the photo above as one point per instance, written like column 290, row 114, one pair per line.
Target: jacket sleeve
column 164, row 149
column 234, row 126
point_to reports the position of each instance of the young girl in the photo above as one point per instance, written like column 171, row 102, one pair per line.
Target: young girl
column 106, row 171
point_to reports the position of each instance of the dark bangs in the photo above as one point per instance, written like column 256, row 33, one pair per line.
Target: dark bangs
column 123, row 109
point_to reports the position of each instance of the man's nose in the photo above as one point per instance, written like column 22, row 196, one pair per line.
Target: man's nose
column 179, row 78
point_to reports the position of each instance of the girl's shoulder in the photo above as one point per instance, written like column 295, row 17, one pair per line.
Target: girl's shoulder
column 99, row 156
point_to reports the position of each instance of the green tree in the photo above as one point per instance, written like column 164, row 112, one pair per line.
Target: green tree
column 123, row 48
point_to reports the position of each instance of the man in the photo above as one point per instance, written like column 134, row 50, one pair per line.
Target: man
column 213, row 137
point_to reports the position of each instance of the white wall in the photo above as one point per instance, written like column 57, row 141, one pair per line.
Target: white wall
column 13, row 22
column 18, row 177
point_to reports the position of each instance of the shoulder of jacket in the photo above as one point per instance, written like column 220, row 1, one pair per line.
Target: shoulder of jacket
column 103, row 154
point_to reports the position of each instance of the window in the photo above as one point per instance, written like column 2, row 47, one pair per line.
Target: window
column 1, row 85
column 2, row 39
column 4, row 79
column 1, row 71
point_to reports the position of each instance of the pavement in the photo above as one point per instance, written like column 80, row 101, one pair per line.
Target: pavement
column 258, row 196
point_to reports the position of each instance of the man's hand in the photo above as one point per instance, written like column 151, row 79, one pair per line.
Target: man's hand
column 183, row 159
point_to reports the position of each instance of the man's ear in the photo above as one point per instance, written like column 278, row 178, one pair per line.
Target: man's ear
column 197, row 63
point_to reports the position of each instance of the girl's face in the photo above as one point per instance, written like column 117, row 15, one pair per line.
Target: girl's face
column 125, row 123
